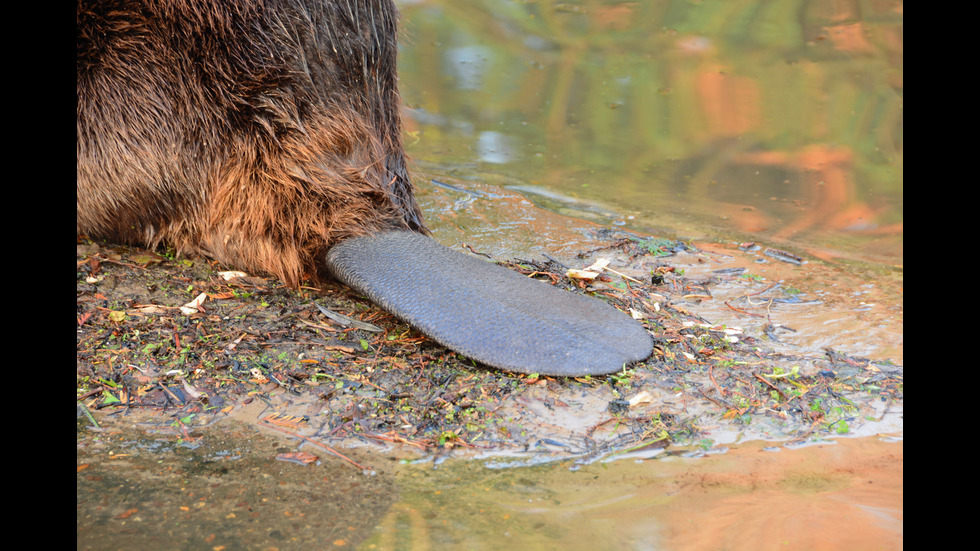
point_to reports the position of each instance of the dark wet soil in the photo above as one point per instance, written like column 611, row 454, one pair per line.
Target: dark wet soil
column 254, row 339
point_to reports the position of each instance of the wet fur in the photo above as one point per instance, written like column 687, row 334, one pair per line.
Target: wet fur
column 257, row 133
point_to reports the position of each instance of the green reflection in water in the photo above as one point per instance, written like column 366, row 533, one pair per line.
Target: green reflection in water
column 779, row 121
column 751, row 497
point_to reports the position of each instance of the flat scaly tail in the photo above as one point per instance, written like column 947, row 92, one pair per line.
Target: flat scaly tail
column 487, row 312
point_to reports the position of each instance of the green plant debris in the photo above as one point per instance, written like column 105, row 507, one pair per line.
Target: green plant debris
column 256, row 341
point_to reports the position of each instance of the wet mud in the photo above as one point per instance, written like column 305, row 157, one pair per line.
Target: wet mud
column 222, row 390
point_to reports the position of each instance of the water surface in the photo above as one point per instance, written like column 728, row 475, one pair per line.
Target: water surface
column 723, row 121
column 779, row 121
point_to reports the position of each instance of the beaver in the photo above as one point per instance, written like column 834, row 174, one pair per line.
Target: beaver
column 266, row 135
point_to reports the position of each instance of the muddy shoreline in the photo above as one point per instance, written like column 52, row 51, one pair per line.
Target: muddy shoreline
column 213, row 425
column 252, row 340
column 231, row 486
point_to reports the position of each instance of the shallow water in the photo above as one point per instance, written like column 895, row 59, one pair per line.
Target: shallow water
column 777, row 123
column 839, row 495
column 719, row 122
column 733, row 120
column 141, row 486
column 222, row 488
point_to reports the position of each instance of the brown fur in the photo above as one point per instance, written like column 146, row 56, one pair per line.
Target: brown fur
column 256, row 132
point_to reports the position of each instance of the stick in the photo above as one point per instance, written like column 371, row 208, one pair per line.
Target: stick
column 315, row 443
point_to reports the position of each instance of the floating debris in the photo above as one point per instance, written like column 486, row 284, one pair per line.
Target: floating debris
column 301, row 458
column 784, row 256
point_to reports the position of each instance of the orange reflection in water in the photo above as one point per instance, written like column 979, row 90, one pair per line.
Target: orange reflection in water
column 843, row 496
column 828, row 190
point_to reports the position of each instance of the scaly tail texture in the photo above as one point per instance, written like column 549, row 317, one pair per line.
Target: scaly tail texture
column 486, row 312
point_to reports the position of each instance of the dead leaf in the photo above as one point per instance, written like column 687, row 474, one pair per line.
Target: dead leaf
column 146, row 258
column 598, row 265
column 593, row 271
column 282, row 420
column 572, row 273
column 348, row 321
column 642, row 397
column 228, row 276
column 194, row 306
column 191, row 390
column 127, row 513
column 304, row 458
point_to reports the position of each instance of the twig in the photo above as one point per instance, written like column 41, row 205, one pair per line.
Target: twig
column 91, row 393
column 623, row 275
column 711, row 375
column 770, row 286
column 399, row 439
column 740, row 311
column 315, row 443
column 770, row 385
